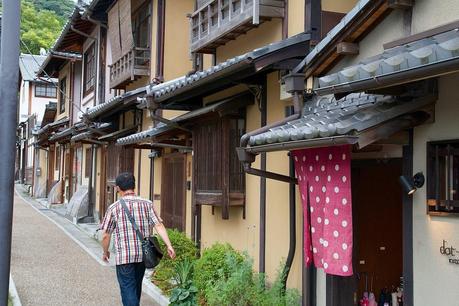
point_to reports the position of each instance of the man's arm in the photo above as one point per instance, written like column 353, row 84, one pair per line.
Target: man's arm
column 159, row 227
column 105, row 245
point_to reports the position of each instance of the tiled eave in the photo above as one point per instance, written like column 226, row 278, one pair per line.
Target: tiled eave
column 425, row 58
column 328, row 121
column 229, row 72
column 114, row 104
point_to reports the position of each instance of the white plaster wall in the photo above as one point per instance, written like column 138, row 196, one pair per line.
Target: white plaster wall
column 390, row 29
column 39, row 104
column 24, row 101
column 435, row 279
column 428, row 14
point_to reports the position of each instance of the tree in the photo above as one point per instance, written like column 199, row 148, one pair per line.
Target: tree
column 62, row 8
column 39, row 29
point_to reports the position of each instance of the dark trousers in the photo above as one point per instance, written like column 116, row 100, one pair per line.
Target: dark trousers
column 130, row 278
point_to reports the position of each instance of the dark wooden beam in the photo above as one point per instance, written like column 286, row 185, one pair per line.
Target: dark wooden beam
column 347, row 48
column 400, row 4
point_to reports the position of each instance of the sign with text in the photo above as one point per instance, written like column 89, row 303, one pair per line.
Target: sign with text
column 450, row 251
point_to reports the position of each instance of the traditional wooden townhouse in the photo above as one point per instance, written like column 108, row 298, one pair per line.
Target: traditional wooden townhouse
column 373, row 147
column 142, row 48
column 77, row 61
column 34, row 95
column 241, row 51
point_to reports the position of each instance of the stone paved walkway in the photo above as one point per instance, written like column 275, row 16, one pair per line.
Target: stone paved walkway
column 49, row 268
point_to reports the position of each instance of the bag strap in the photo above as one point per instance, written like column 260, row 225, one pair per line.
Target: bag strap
column 128, row 214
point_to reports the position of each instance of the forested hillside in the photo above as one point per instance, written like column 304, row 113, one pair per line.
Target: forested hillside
column 41, row 22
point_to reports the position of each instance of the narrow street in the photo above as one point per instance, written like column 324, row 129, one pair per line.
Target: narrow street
column 49, row 268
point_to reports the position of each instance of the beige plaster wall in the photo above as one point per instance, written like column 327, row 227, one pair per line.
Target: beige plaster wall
column 177, row 61
column 157, row 183
column 243, row 234
column 435, row 279
column 295, row 17
column 154, row 30
column 341, row 6
column 277, row 200
column 240, row 233
column 266, row 33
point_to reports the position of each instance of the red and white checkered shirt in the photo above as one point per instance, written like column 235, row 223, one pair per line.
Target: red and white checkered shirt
column 127, row 245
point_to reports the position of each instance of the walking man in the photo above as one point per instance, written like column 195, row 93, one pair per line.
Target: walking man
column 130, row 268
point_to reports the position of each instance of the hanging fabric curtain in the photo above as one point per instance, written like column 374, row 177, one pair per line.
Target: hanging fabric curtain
column 324, row 179
column 120, row 29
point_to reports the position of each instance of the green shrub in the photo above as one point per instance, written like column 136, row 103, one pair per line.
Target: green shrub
column 213, row 265
column 184, row 294
column 238, row 288
column 185, row 249
column 243, row 287
column 277, row 295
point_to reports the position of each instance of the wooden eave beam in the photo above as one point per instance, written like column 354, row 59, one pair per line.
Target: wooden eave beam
column 352, row 34
column 400, row 4
column 347, row 48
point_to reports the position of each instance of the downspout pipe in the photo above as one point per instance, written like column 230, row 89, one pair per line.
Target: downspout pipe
column 294, row 84
column 292, row 223
column 87, row 17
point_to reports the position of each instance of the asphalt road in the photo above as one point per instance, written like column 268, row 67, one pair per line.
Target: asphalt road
column 49, row 268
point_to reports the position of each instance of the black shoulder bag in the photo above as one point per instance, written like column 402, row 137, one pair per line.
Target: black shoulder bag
column 150, row 246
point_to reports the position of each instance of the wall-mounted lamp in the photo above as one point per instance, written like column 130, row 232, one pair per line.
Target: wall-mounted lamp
column 410, row 185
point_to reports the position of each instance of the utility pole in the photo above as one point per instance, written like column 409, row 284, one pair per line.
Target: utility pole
column 9, row 75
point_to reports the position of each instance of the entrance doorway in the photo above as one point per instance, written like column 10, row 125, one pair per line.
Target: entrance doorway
column 115, row 160
column 173, row 191
column 377, row 205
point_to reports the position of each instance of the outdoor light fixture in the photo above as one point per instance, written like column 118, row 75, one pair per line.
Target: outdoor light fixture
column 410, row 185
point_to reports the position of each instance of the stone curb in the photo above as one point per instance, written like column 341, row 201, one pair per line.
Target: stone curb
column 14, row 293
column 148, row 287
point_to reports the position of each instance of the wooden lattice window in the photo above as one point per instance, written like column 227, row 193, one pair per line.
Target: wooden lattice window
column 45, row 90
column 89, row 69
column 219, row 176
column 62, row 94
column 443, row 177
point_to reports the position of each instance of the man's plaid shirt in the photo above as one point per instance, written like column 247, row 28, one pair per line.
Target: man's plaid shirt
column 127, row 245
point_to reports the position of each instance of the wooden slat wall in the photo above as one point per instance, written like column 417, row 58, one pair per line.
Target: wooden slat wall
column 120, row 29
column 173, row 191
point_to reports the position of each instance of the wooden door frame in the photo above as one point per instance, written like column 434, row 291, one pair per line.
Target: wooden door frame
column 163, row 186
column 103, row 181
column 407, row 233
column 50, row 174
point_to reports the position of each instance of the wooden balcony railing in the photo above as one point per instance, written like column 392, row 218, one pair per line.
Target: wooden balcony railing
column 131, row 66
column 218, row 21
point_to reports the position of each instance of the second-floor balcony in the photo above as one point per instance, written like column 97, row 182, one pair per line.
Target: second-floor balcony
column 130, row 67
column 218, row 21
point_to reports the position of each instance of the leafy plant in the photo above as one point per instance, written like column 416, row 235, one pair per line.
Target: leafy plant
column 213, row 265
column 184, row 249
column 185, row 292
column 243, row 287
column 277, row 295
column 238, row 288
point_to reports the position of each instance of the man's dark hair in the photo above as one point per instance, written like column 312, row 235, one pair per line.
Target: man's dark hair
column 125, row 181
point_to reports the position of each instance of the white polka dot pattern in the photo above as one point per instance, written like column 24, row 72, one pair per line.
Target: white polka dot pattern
column 324, row 178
